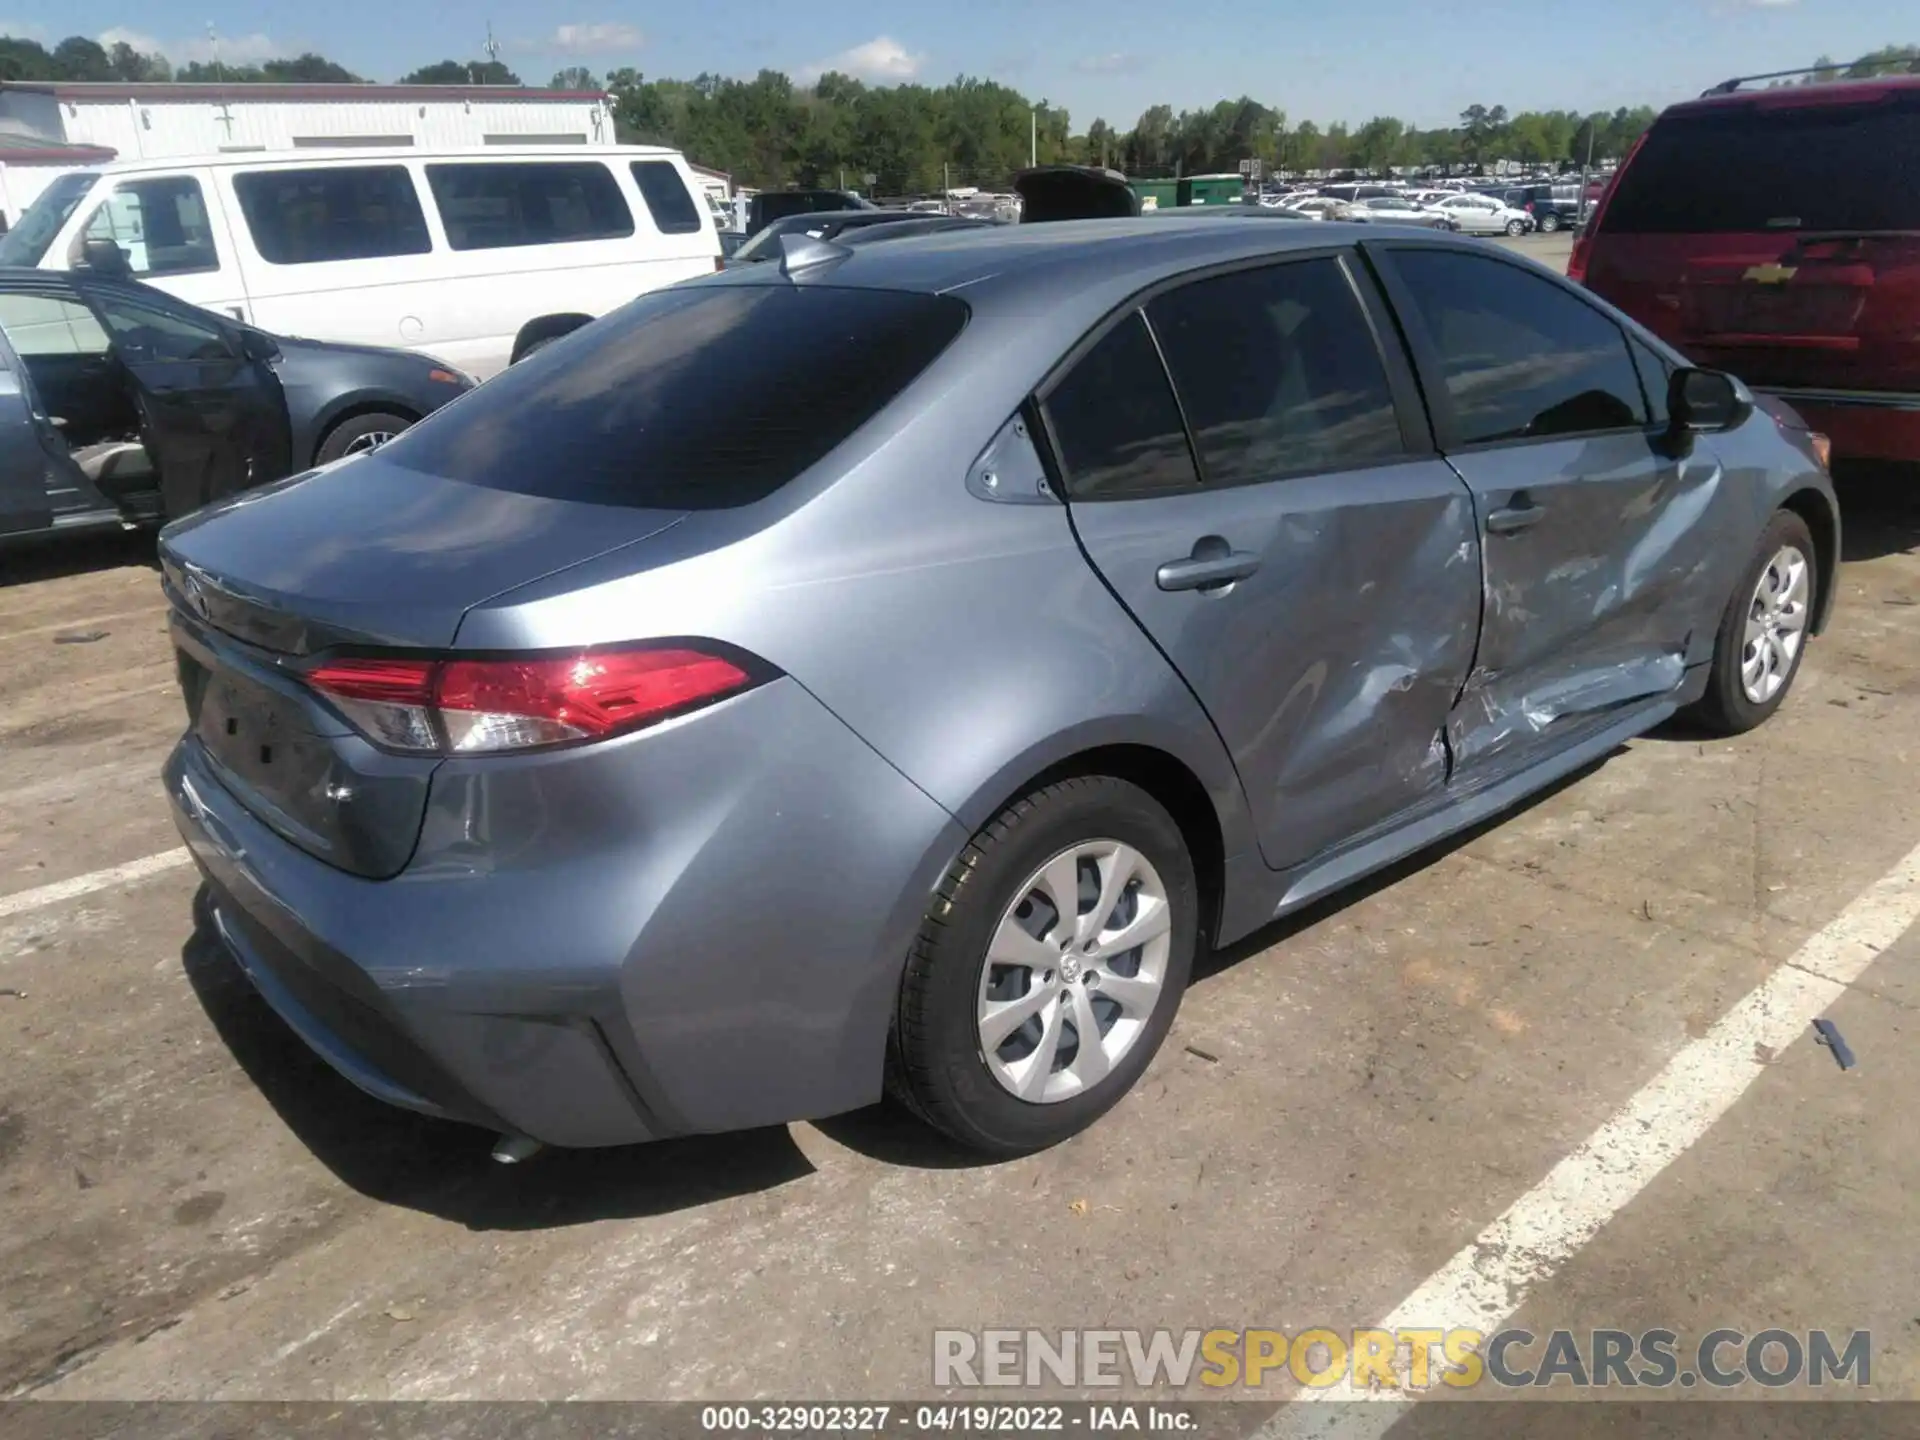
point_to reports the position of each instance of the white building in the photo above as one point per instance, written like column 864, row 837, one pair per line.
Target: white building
column 47, row 128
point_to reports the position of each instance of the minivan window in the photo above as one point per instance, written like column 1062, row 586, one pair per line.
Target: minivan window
column 668, row 202
column 1836, row 166
column 27, row 242
column 1521, row 357
column 160, row 224
column 534, row 202
column 1116, row 425
column 1277, row 371
column 348, row 212
column 689, row 399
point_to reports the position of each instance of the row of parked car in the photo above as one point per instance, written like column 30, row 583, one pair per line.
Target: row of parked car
column 1485, row 210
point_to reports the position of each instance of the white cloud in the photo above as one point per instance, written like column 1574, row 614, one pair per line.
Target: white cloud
column 881, row 58
column 1116, row 63
column 231, row 49
column 593, row 39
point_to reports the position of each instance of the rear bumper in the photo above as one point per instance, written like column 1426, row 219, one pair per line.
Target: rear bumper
column 1862, row 424
column 697, row 928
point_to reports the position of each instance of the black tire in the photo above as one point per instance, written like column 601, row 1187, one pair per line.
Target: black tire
column 1726, row 708
column 1516, row 227
column 356, row 432
column 1549, row 224
column 936, row 1066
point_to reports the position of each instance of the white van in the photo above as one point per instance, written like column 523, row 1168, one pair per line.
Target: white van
column 476, row 256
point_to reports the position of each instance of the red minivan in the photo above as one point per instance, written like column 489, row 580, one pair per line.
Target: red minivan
column 1775, row 233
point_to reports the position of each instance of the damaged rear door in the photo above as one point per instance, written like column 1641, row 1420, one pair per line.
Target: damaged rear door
column 1597, row 540
column 1277, row 519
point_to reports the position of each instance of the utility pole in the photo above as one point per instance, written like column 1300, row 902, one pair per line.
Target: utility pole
column 1586, row 169
column 1033, row 136
column 492, row 48
column 213, row 40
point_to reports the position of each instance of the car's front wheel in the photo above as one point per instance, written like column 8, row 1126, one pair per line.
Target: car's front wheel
column 1516, row 227
column 1549, row 224
column 1763, row 634
column 359, row 434
column 1049, row 967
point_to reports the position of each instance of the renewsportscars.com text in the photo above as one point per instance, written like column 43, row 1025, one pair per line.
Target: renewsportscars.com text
column 1407, row 1359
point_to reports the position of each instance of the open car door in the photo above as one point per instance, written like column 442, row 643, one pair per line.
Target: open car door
column 213, row 417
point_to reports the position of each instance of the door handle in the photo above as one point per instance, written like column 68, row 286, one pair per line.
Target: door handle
column 1211, row 564
column 1521, row 515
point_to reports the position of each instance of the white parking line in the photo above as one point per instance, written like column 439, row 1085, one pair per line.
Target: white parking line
column 25, row 900
column 1490, row 1279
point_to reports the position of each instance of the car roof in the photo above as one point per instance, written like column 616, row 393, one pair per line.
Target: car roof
column 1835, row 92
column 359, row 155
column 1073, row 268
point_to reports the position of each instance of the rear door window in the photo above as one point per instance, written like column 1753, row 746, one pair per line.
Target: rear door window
column 1278, row 372
column 668, row 201
column 496, row 206
column 1521, row 357
column 689, row 399
column 160, row 224
column 1116, row 425
column 1825, row 167
column 348, row 212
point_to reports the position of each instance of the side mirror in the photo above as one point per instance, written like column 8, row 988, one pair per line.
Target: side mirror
column 103, row 257
column 1704, row 400
column 258, row 345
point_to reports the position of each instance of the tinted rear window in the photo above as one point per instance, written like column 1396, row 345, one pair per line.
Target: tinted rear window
column 672, row 208
column 490, row 207
column 1808, row 168
column 699, row 398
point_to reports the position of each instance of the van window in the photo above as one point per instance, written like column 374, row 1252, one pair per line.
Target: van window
column 359, row 212
column 700, row 398
column 160, row 224
column 666, row 195
column 1826, row 167
column 491, row 207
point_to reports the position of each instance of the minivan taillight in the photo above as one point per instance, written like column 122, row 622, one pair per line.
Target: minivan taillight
column 1577, row 261
column 458, row 706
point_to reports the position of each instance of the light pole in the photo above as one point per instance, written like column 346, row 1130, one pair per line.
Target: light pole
column 1033, row 135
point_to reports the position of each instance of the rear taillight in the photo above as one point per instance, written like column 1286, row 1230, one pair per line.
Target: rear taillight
column 1577, row 261
column 485, row 706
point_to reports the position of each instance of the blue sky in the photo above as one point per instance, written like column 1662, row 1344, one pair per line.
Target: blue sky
column 1422, row 60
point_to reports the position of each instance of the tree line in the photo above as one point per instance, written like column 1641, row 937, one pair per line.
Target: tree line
column 770, row 131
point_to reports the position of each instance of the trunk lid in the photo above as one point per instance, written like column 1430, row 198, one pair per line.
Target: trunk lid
column 1775, row 235
column 365, row 554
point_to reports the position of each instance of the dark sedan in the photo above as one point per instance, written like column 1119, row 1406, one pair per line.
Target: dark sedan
column 122, row 405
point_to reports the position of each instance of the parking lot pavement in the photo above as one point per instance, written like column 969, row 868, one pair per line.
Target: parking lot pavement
column 197, row 1208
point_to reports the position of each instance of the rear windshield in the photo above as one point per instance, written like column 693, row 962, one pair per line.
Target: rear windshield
column 698, row 398
column 1846, row 167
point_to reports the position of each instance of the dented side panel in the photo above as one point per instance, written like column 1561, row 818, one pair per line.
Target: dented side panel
column 1329, row 671
column 1604, row 600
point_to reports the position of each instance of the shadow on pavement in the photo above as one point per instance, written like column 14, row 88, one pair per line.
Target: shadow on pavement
column 443, row 1168
column 55, row 557
column 1879, row 510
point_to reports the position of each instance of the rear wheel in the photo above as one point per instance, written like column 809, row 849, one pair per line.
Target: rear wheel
column 1763, row 633
column 359, row 434
column 1049, row 968
column 1516, row 227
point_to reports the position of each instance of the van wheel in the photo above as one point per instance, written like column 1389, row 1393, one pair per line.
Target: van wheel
column 1048, row 969
column 1763, row 634
column 1516, row 227
column 1549, row 224
column 359, row 434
